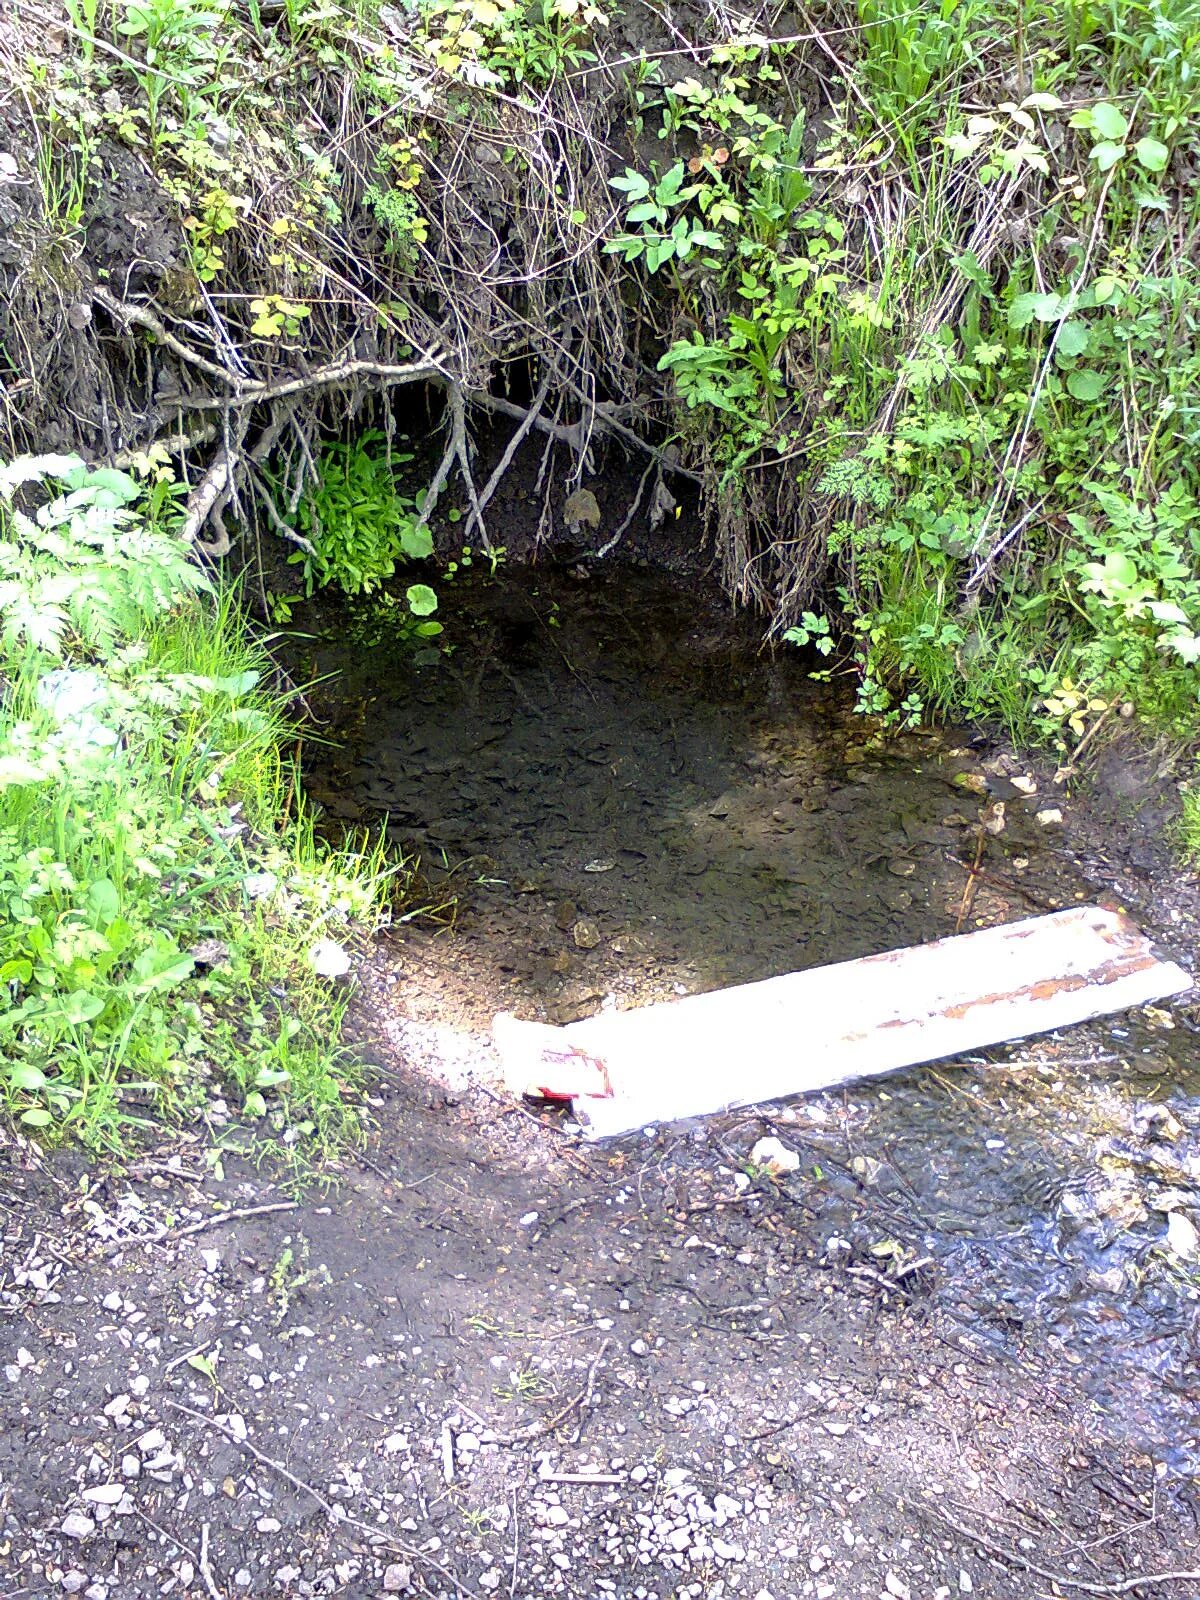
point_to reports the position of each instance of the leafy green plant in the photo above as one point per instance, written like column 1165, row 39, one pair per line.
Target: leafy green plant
column 1009, row 544
column 180, row 45
column 217, row 214
column 357, row 521
column 710, row 374
column 509, row 42
column 908, row 49
column 392, row 197
column 1109, row 129
column 811, row 630
column 84, row 15
column 155, row 879
column 275, row 315
column 658, row 230
column 1189, row 825
column 494, row 556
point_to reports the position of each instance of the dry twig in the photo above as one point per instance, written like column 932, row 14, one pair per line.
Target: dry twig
column 1063, row 1579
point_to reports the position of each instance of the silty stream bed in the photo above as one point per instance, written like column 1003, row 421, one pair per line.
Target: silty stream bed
column 633, row 802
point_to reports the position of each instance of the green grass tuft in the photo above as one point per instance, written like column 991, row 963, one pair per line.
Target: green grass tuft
column 161, row 886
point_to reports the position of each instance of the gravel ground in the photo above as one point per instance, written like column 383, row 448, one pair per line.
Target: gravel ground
column 487, row 1362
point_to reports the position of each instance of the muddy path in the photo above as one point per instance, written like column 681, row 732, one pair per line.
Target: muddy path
column 951, row 1354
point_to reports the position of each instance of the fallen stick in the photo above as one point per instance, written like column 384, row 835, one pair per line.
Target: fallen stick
column 859, row 1019
column 336, row 1514
column 213, row 1220
column 1063, row 1579
column 217, row 1218
column 205, row 1569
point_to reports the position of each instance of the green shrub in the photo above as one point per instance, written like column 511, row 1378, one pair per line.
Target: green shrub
column 357, row 521
column 360, row 528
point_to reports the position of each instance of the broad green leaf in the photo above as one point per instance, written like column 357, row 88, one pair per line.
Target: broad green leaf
column 416, row 543
column 111, row 488
column 1120, row 570
column 237, row 683
column 631, row 183
column 119, row 935
column 18, row 970
column 1151, row 154
column 1041, row 101
column 1072, row 338
column 1185, row 645
column 271, row 1077
column 422, row 601
column 103, row 899
column 161, row 967
column 670, row 186
column 1108, row 122
column 24, row 1075
column 969, row 265
column 77, row 1008
column 1086, row 384
column 1045, row 307
column 1106, row 155
column 36, row 1117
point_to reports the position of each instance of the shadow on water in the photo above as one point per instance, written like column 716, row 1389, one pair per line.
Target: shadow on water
column 635, row 803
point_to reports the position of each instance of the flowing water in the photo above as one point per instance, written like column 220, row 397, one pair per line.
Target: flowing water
column 630, row 801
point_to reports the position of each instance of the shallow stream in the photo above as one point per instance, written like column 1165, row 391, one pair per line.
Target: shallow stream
column 630, row 801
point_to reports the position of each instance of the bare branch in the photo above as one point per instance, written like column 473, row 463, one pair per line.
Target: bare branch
column 510, row 450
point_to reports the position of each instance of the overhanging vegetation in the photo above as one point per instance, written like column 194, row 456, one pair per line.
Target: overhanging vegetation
column 909, row 293
column 169, row 922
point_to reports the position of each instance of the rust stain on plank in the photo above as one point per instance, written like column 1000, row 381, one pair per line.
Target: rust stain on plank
column 1044, row 989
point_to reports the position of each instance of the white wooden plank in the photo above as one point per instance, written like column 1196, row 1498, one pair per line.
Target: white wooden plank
column 790, row 1035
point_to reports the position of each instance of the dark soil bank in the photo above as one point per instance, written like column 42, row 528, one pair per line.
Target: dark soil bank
column 951, row 1353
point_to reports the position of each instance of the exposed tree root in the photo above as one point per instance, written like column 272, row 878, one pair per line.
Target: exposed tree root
column 465, row 235
column 611, row 544
column 202, row 502
column 529, row 421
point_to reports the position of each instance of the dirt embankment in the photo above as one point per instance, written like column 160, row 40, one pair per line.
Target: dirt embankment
column 223, row 287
